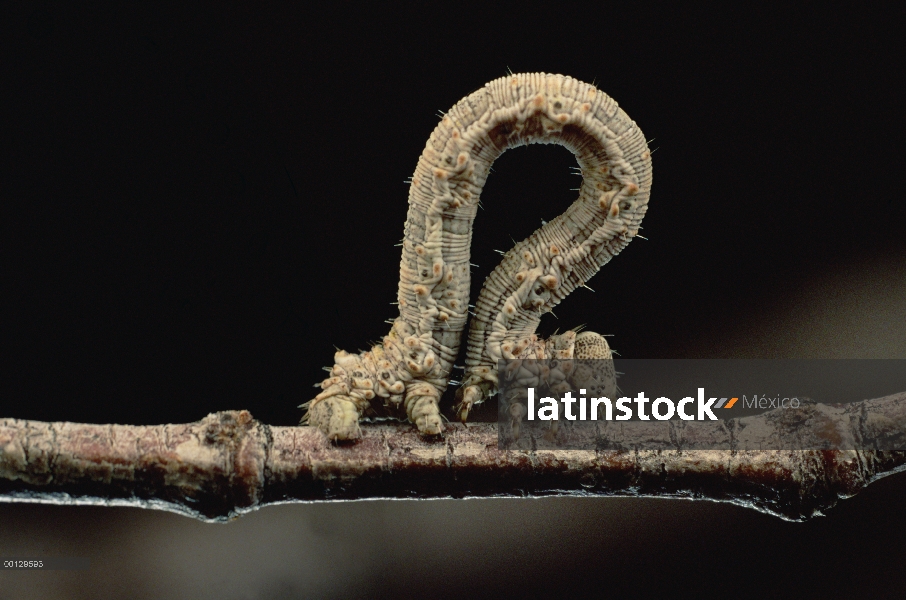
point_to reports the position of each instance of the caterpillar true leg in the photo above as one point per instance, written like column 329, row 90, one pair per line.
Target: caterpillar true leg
column 591, row 373
column 411, row 368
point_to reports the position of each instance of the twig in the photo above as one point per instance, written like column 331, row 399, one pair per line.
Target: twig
column 228, row 464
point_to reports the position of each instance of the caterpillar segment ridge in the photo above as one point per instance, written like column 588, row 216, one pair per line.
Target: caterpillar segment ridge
column 410, row 368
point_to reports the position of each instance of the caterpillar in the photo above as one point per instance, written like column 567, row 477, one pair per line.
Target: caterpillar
column 410, row 368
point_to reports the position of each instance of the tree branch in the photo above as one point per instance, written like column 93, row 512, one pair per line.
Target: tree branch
column 228, row 464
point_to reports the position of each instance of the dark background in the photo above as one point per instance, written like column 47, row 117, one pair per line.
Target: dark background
column 198, row 204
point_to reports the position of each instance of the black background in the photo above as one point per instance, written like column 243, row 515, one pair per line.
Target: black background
column 198, row 204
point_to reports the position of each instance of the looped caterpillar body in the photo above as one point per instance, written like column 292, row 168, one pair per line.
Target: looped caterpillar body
column 411, row 367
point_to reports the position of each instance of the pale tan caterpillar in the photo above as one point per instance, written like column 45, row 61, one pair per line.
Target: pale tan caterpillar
column 411, row 368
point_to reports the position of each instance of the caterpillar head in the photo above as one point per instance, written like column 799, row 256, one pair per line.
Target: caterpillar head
column 591, row 345
column 594, row 370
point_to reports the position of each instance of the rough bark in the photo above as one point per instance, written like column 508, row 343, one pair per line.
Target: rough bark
column 228, row 464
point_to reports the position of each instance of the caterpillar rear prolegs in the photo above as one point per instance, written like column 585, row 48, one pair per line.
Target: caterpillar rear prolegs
column 336, row 416
column 410, row 369
column 402, row 371
column 422, row 408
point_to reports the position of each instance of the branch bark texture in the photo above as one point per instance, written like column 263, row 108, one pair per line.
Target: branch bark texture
column 228, row 464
